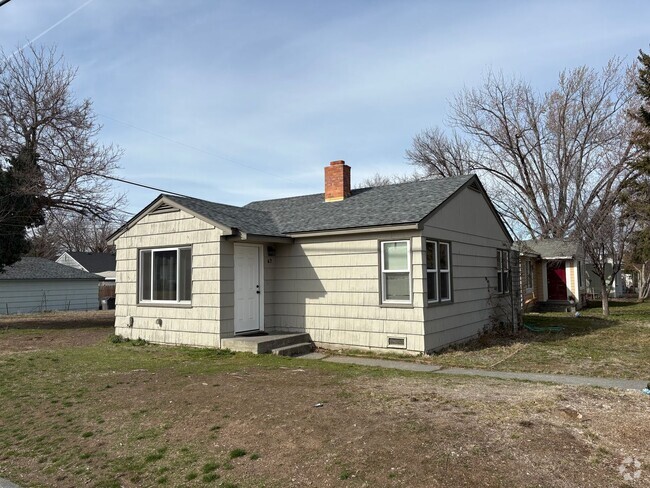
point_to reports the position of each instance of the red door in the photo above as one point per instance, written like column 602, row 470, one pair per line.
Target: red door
column 556, row 280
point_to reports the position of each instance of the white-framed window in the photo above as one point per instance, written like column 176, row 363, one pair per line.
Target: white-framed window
column 530, row 271
column 503, row 271
column 165, row 275
column 438, row 271
column 396, row 271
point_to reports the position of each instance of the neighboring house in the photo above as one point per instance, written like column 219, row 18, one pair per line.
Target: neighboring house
column 594, row 290
column 413, row 266
column 100, row 263
column 37, row 285
column 552, row 274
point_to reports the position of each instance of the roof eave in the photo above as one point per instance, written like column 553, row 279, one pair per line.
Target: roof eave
column 248, row 237
column 356, row 230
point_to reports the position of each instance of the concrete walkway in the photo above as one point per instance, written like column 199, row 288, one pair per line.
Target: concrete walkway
column 505, row 375
column 7, row 484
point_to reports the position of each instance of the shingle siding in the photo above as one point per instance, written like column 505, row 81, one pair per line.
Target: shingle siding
column 197, row 325
column 475, row 235
column 330, row 288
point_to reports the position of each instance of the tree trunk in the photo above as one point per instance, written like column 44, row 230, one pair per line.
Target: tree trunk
column 644, row 282
column 604, row 296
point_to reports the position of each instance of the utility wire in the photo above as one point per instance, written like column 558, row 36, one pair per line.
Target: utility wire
column 121, row 180
column 3, row 2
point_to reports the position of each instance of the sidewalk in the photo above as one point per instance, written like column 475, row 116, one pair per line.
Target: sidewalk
column 7, row 484
column 505, row 375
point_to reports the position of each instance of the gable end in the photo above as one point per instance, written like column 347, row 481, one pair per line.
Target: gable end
column 163, row 208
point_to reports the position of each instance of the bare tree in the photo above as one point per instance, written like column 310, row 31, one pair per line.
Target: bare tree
column 547, row 159
column 66, row 231
column 40, row 114
column 605, row 236
column 382, row 180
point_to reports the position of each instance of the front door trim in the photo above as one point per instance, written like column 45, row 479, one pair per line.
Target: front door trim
column 260, row 273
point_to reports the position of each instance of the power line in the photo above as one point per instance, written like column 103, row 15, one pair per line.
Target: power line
column 144, row 186
column 3, row 2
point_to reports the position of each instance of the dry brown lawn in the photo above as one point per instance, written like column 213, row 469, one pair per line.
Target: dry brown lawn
column 109, row 415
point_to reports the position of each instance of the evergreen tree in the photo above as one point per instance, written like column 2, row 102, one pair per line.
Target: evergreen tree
column 637, row 196
column 21, row 187
column 640, row 202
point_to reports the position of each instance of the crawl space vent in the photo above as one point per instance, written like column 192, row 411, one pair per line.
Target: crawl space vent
column 397, row 342
column 164, row 208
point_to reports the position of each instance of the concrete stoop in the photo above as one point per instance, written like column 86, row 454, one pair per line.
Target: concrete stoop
column 281, row 344
column 294, row 350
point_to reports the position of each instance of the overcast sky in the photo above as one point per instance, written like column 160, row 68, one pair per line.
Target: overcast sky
column 234, row 101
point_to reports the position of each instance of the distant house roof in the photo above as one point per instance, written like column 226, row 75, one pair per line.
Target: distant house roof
column 44, row 269
column 550, row 248
column 94, row 262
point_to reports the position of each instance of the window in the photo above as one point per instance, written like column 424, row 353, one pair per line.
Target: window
column 166, row 275
column 438, row 272
column 503, row 271
column 530, row 270
column 396, row 272
column 579, row 274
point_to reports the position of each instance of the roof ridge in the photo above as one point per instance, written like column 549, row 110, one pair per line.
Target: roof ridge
column 423, row 180
column 216, row 203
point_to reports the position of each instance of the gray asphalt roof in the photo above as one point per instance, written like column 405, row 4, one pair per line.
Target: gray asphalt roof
column 367, row 207
column 242, row 218
column 44, row 269
column 552, row 248
column 95, row 262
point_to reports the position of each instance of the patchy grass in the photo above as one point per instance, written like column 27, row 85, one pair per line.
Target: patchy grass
column 235, row 453
column 152, row 410
column 617, row 346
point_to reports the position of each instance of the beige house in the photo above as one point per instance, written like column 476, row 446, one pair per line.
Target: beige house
column 552, row 274
column 411, row 267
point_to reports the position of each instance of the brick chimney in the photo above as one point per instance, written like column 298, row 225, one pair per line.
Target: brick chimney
column 337, row 181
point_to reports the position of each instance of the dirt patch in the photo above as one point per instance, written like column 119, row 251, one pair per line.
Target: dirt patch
column 20, row 333
column 59, row 320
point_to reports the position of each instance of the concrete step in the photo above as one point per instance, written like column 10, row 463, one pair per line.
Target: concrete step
column 294, row 349
column 263, row 344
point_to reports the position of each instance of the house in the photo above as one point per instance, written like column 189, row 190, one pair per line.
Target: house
column 552, row 274
column 412, row 267
column 100, row 263
column 37, row 285
column 594, row 288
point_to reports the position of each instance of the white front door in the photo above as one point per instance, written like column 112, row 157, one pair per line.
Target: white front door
column 248, row 288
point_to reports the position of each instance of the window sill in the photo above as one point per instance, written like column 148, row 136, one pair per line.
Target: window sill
column 396, row 305
column 165, row 305
column 439, row 303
